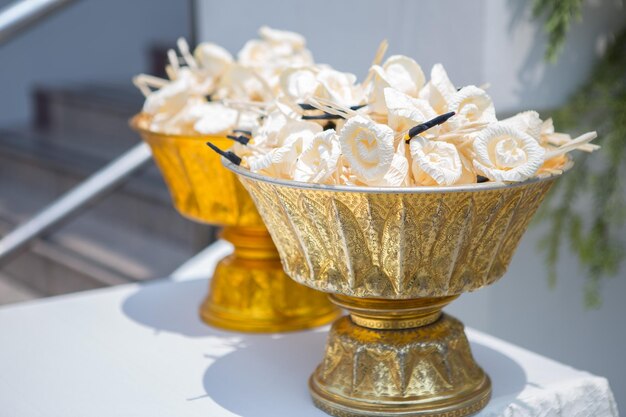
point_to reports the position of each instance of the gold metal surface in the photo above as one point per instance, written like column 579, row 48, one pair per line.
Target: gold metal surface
column 394, row 258
column 249, row 290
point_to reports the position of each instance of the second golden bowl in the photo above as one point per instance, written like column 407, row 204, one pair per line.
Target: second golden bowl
column 249, row 290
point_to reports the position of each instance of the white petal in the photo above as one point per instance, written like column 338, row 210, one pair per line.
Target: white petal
column 504, row 153
column 213, row 58
column 404, row 111
column 368, row 148
column 299, row 83
column 293, row 39
column 435, row 162
column 528, row 122
column 439, row 91
column 215, row 119
column 404, row 74
column 472, row 105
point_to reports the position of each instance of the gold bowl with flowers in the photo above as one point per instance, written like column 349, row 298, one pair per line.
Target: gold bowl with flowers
column 249, row 290
column 394, row 257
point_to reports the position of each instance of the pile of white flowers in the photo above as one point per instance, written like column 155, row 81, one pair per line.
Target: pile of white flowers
column 310, row 123
column 206, row 89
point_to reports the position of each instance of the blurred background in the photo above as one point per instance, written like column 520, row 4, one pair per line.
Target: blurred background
column 67, row 97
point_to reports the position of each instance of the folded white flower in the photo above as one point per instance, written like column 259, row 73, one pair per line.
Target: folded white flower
column 368, row 148
column 215, row 118
column 212, row 59
column 397, row 174
column 278, row 162
column 399, row 72
column 341, row 87
column 297, row 129
column 405, row 112
column 300, row 83
column 267, row 135
column 319, row 158
column 472, row 105
column 170, row 99
column 439, row 91
column 255, row 53
column 434, row 162
column 245, row 84
column 527, row 121
column 404, row 74
column 504, row 153
column 275, row 36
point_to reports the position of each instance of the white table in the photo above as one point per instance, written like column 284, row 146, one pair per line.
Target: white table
column 140, row 350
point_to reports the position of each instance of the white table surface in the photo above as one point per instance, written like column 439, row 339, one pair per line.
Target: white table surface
column 140, row 350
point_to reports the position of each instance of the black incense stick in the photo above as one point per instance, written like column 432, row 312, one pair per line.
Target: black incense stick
column 416, row 130
column 231, row 156
column 305, row 106
column 241, row 139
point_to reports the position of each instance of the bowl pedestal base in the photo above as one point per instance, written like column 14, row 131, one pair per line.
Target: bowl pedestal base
column 398, row 357
column 249, row 291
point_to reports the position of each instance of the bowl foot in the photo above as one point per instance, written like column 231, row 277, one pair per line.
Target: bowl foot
column 257, row 296
column 424, row 371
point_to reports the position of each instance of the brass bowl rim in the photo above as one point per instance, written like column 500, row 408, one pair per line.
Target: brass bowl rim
column 487, row 186
column 135, row 123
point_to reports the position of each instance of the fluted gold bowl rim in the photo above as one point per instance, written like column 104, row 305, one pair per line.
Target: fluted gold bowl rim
column 486, row 186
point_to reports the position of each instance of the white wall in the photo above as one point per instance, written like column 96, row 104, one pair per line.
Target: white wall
column 478, row 41
column 89, row 40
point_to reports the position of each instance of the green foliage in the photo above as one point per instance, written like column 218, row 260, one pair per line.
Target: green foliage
column 560, row 14
column 587, row 207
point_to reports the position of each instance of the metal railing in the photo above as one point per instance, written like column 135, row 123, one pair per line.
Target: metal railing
column 19, row 15
column 14, row 18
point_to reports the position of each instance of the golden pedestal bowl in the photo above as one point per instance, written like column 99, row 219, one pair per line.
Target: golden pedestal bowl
column 394, row 257
column 249, row 290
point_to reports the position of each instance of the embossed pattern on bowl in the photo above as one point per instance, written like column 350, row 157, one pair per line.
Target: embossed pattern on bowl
column 395, row 243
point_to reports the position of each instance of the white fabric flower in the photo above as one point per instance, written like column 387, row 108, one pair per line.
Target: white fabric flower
column 319, row 158
column 434, row 162
column 275, row 36
column 528, row 122
column 301, row 83
column 503, row 153
column 404, row 74
column 170, row 99
column 212, row 59
column 280, row 161
column 399, row 72
column 405, row 112
column 368, row 148
column 439, row 91
column 341, row 87
column 472, row 105
column 214, row 118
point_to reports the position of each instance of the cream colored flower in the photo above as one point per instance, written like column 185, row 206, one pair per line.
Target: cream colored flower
column 439, row 91
column 170, row 99
column 434, row 162
column 212, row 59
column 300, row 83
column 399, row 72
column 405, row 112
column 244, row 83
column 267, row 135
column 472, row 106
column 341, row 87
column 528, row 122
column 503, row 153
column 396, row 175
column 319, row 159
column 368, row 148
column 275, row 36
column 214, row 119
column 404, row 74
